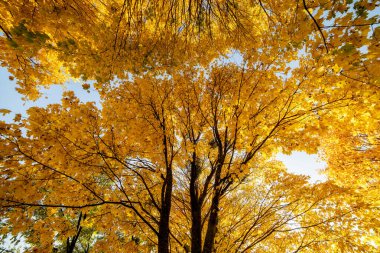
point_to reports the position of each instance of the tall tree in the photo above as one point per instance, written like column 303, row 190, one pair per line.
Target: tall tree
column 182, row 143
column 197, row 98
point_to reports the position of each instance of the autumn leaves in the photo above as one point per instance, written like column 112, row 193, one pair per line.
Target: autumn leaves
column 179, row 156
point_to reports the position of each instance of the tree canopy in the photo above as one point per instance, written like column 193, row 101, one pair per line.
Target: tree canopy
column 197, row 98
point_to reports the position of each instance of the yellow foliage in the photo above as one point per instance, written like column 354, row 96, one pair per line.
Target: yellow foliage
column 197, row 98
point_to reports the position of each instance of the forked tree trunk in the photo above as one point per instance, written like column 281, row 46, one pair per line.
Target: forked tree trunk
column 166, row 198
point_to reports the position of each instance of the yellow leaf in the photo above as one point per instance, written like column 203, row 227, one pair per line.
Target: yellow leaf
column 5, row 111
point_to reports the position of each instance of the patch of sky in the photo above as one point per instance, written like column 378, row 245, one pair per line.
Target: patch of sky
column 291, row 65
column 233, row 56
column 301, row 163
column 363, row 49
column 14, row 244
column 10, row 99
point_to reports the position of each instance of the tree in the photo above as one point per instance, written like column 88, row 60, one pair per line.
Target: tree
column 179, row 156
column 103, row 40
column 163, row 137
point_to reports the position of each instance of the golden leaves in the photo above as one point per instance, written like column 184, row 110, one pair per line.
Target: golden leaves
column 175, row 103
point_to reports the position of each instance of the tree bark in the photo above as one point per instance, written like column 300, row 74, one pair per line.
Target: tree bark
column 196, row 206
column 163, row 232
column 166, row 199
column 212, row 225
column 208, row 246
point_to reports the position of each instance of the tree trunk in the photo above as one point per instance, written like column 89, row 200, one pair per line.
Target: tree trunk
column 166, row 198
column 196, row 206
column 212, row 224
column 208, row 246
column 163, row 232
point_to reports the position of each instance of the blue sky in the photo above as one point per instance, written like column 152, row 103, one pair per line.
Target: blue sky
column 297, row 162
column 304, row 164
column 11, row 100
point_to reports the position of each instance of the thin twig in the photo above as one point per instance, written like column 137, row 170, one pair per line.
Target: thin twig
column 316, row 24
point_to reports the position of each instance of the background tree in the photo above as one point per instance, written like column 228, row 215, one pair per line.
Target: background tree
column 49, row 42
column 74, row 175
